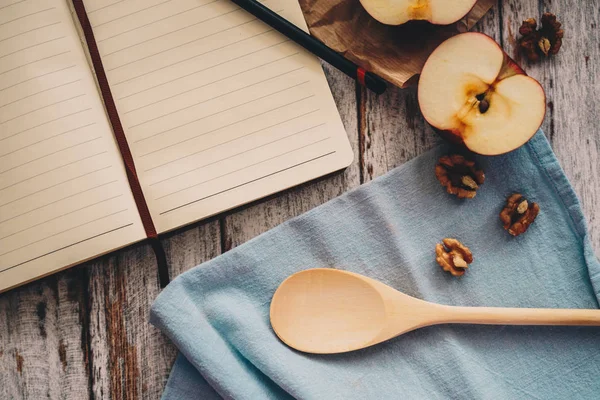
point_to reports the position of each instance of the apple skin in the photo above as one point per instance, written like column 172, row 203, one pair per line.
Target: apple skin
column 509, row 68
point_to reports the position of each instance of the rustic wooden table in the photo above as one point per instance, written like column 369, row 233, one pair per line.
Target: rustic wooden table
column 84, row 333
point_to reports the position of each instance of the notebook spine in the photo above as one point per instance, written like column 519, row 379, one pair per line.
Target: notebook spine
column 115, row 121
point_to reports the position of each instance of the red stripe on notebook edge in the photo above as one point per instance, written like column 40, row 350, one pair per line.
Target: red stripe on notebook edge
column 360, row 76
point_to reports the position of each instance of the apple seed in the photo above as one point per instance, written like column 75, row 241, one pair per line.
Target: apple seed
column 484, row 105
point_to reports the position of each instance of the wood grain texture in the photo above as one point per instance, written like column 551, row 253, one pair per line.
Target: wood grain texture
column 130, row 358
column 120, row 289
column 191, row 246
column 84, row 333
column 43, row 349
column 393, row 131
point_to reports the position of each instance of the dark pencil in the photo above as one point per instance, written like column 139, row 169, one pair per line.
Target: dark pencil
column 368, row 79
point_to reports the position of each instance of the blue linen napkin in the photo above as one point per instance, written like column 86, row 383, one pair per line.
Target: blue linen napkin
column 217, row 314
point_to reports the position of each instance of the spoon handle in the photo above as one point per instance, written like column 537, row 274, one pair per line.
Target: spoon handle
column 522, row 316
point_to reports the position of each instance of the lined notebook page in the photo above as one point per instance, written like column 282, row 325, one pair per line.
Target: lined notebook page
column 63, row 191
column 218, row 108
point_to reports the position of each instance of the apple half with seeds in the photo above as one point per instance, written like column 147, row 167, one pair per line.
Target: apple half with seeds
column 438, row 12
column 473, row 93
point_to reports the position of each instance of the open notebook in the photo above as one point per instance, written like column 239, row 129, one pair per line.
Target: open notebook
column 216, row 108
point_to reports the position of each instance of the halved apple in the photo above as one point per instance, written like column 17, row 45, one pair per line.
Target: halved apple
column 438, row 12
column 475, row 94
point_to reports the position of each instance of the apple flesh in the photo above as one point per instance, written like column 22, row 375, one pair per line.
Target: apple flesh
column 474, row 93
column 438, row 12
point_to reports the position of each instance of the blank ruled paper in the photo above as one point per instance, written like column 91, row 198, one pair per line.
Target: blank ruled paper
column 218, row 108
column 64, row 196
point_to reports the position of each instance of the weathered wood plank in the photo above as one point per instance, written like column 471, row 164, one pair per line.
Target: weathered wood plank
column 490, row 23
column 572, row 83
column 43, row 340
column 120, row 289
column 191, row 246
column 251, row 221
column 393, row 131
column 130, row 358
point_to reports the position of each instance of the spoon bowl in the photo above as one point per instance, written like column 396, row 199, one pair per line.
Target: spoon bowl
column 342, row 307
column 327, row 311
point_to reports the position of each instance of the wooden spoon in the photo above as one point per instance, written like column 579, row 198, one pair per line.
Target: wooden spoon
column 331, row 311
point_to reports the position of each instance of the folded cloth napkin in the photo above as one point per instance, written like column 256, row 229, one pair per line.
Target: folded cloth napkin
column 217, row 314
